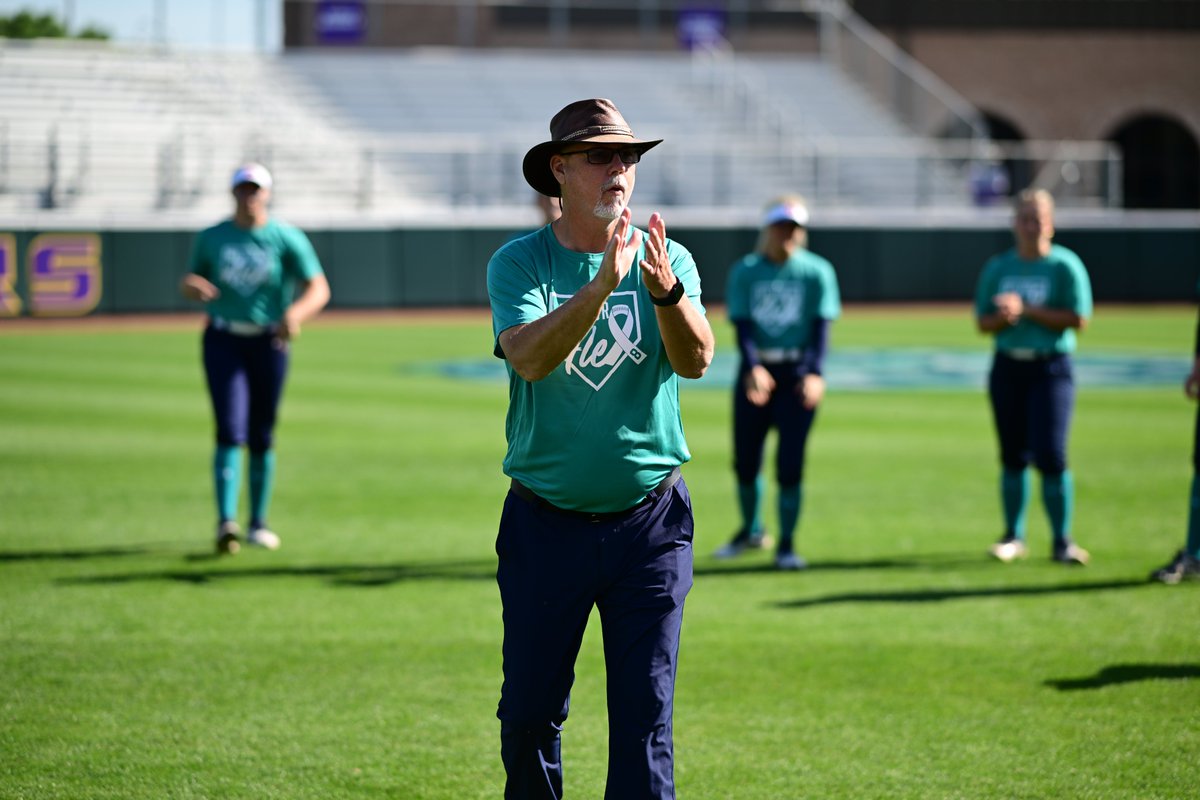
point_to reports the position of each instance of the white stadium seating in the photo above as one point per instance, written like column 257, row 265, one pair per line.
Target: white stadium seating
column 94, row 130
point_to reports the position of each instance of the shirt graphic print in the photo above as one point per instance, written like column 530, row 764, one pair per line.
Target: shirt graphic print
column 610, row 344
column 244, row 267
column 1033, row 289
column 776, row 305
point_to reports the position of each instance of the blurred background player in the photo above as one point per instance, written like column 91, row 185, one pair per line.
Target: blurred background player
column 246, row 270
column 1033, row 298
column 1186, row 563
column 782, row 299
column 549, row 207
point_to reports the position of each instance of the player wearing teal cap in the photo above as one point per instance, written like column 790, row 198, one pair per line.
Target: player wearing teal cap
column 1033, row 298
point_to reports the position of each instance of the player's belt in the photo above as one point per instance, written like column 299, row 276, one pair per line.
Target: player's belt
column 1026, row 354
column 239, row 328
column 525, row 493
column 779, row 355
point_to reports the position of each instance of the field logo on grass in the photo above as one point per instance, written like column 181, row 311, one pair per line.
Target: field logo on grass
column 776, row 305
column 611, row 342
column 866, row 370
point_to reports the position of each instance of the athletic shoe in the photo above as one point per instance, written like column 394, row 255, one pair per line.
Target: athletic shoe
column 743, row 541
column 1071, row 553
column 790, row 562
column 227, row 538
column 1182, row 567
column 261, row 537
column 1008, row 549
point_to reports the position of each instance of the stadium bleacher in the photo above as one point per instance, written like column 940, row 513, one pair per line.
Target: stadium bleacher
column 102, row 131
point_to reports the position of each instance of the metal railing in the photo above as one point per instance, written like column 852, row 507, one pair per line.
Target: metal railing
column 898, row 82
column 397, row 175
column 913, row 173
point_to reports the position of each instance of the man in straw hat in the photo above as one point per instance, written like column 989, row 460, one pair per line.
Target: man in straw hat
column 596, row 321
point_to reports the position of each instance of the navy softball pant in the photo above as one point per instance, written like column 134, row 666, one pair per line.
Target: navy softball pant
column 245, row 382
column 1032, row 403
column 1196, row 443
column 786, row 412
column 554, row 566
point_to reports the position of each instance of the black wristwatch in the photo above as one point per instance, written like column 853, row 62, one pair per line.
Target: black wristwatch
column 672, row 297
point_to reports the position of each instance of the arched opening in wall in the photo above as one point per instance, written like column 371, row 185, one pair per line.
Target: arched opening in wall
column 1017, row 171
column 1160, row 163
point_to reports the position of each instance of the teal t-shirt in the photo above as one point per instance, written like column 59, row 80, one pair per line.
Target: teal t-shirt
column 1057, row 281
column 255, row 269
column 603, row 429
column 783, row 300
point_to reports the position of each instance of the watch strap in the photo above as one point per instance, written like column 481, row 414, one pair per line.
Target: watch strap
column 673, row 297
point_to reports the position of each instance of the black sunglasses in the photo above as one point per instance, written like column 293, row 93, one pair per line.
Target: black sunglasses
column 604, row 155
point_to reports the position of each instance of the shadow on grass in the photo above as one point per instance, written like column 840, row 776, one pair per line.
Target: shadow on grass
column 363, row 575
column 942, row 595
column 1127, row 673
column 955, row 561
column 85, row 553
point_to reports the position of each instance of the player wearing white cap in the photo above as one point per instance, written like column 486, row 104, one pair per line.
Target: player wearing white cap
column 782, row 299
column 246, row 271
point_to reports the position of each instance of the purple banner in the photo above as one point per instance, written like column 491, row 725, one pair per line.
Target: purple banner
column 341, row 22
column 701, row 26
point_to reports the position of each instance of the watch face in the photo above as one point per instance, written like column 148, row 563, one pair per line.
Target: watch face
column 672, row 296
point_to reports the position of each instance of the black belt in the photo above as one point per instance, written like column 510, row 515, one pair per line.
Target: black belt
column 1028, row 355
column 525, row 493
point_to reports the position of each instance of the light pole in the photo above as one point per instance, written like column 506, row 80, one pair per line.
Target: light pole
column 218, row 23
column 260, row 25
column 160, row 22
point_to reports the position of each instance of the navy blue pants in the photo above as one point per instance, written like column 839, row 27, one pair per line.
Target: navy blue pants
column 1032, row 403
column 1196, row 443
column 245, row 381
column 786, row 412
column 554, row 566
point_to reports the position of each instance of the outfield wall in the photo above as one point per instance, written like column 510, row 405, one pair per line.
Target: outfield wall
column 74, row 273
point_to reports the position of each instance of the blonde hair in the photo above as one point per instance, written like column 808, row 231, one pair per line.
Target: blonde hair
column 1028, row 196
column 782, row 200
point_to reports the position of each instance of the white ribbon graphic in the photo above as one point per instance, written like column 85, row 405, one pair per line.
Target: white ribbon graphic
column 597, row 352
column 621, row 332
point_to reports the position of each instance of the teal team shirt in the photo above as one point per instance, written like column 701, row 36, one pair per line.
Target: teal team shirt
column 256, row 270
column 603, row 428
column 1057, row 281
column 783, row 300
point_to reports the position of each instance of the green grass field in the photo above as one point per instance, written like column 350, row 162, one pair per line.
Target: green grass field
column 362, row 660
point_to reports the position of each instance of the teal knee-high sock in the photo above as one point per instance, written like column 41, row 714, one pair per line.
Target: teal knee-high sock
column 791, row 498
column 750, row 500
column 262, row 481
column 1058, row 493
column 1014, row 496
column 1193, row 533
column 227, row 478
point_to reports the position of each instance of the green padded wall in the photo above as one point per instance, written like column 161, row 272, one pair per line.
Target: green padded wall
column 424, row 267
